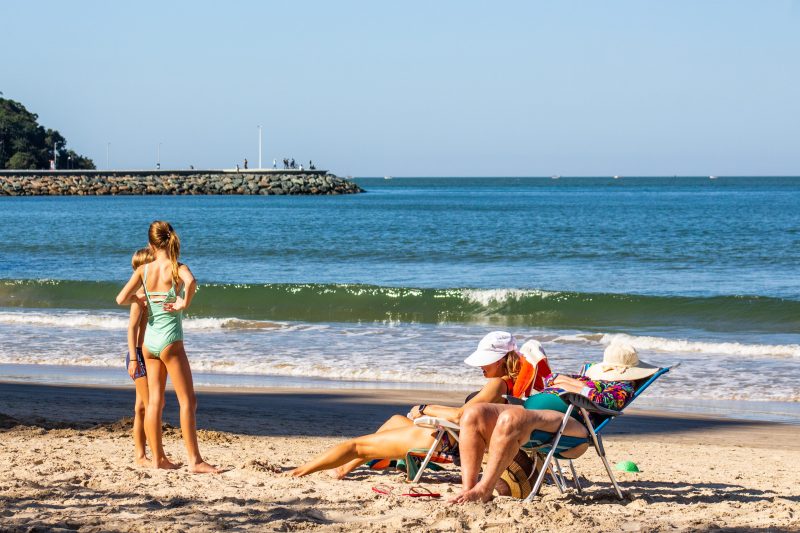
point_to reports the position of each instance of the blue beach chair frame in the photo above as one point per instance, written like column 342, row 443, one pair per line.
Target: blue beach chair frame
column 559, row 443
column 442, row 426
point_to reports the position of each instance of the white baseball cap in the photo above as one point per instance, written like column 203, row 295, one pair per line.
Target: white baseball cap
column 492, row 348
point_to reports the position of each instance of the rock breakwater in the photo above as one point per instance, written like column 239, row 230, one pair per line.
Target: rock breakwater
column 201, row 183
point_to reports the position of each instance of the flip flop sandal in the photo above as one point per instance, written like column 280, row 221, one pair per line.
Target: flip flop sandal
column 413, row 492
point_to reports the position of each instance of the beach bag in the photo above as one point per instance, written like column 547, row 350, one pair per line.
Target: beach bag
column 517, row 480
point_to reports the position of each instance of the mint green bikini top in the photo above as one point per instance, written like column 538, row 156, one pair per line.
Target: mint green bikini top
column 157, row 317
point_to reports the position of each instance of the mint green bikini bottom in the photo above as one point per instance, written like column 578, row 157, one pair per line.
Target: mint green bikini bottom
column 157, row 339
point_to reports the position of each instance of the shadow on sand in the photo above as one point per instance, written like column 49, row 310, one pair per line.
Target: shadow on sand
column 270, row 413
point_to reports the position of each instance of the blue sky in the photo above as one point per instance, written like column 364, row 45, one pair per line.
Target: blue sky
column 445, row 88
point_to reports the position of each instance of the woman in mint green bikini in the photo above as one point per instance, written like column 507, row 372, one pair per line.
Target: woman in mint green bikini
column 169, row 287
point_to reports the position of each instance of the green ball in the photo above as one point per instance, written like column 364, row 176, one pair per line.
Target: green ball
column 626, row 466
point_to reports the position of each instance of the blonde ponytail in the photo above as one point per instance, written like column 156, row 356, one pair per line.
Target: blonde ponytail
column 513, row 365
column 163, row 237
column 174, row 252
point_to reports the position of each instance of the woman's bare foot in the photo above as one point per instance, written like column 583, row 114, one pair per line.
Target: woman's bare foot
column 475, row 494
column 143, row 461
column 339, row 472
column 165, row 464
column 204, row 468
column 297, row 472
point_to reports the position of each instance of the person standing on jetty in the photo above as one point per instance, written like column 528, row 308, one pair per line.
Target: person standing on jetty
column 169, row 287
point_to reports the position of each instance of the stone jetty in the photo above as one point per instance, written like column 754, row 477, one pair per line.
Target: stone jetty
column 105, row 183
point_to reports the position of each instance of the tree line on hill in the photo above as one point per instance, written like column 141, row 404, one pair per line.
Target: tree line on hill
column 25, row 145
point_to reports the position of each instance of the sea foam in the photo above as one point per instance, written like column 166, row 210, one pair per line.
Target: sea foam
column 666, row 345
column 118, row 321
column 688, row 346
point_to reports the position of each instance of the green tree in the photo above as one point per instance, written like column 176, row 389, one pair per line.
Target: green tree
column 24, row 144
column 22, row 161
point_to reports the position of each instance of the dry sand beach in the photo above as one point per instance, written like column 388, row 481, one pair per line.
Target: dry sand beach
column 66, row 453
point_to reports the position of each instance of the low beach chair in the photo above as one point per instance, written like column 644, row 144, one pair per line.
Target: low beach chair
column 442, row 427
column 596, row 418
column 534, row 368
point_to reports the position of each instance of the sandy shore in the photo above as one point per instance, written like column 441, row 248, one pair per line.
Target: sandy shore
column 66, row 455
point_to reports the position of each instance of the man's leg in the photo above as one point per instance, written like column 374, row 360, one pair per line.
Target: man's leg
column 512, row 429
column 477, row 423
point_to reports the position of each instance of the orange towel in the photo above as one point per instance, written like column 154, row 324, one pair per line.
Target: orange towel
column 531, row 377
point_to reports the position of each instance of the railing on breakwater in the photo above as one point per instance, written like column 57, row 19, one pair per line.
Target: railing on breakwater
column 161, row 172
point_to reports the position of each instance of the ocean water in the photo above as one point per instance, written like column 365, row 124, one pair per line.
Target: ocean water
column 396, row 286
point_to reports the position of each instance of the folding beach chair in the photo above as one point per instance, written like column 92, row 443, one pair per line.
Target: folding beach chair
column 596, row 418
column 535, row 367
column 442, row 427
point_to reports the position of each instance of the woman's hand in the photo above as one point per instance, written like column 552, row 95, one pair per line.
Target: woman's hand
column 177, row 305
column 416, row 412
column 568, row 384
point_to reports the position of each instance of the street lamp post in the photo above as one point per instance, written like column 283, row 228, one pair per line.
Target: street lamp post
column 259, row 148
column 158, row 157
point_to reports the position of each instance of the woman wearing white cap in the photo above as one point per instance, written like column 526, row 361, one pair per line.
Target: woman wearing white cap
column 609, row 383
column 502, row 365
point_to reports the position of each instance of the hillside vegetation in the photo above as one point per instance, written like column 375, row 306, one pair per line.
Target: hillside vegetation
column 26, row 145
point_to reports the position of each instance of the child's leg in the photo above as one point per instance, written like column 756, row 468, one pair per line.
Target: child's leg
column 139, row 438
column 174, row 357
column 156, row 383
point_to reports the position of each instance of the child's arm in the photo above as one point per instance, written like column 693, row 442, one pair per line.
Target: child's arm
column 128, row 293
column 134, row 332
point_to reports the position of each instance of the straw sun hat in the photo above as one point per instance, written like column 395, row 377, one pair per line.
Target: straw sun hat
column 620, row 363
